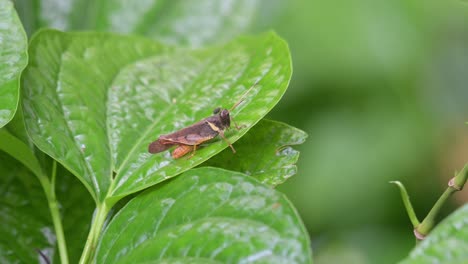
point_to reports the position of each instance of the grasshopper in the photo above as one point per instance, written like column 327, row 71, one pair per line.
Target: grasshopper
column 189, row 138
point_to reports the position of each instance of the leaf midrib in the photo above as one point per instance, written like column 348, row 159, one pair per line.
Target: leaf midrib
column 162, row 115
column 246, row 68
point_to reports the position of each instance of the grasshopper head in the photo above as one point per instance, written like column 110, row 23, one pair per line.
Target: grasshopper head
column 225, row 118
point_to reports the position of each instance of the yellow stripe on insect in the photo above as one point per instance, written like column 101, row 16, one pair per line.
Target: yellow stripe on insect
column 213, row 126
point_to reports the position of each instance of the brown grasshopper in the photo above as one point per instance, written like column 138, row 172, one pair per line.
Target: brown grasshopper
column 189, row 138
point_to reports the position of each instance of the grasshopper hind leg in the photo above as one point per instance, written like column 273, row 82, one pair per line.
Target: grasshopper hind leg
column 182, row 150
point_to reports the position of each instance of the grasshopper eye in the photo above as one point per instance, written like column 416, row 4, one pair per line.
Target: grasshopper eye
column 216, row 110
column 225, row 113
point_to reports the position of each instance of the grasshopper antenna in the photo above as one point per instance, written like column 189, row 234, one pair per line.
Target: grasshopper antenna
column 243, row 96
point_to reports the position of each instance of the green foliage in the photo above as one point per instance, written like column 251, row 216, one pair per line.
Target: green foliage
column 95, row 101
column 77, row 208
column 447, row 243
column 265, row 153
column 26, row 225
column 190, row 23
column 20, row 151
column 25, row 211
column 13, row 59
column 220, row 216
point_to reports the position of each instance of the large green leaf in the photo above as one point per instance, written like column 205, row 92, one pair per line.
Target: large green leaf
column 26, row 227
column 206, row 215
column 446, row 244
column 13, row 59
column 190, row 23
column 95, row 101
column 265, row 152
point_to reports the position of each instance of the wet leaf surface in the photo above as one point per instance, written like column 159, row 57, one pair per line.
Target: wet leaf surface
column 207, row 215
column 95, row 101
column 266, row 152
column 13, row 59
column 447, row 243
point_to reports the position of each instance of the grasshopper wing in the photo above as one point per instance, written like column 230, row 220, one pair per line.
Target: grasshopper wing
column 191, row 135
column 159, row 146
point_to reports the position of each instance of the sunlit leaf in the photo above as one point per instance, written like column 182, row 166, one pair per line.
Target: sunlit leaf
column 13, row 59
column 95, row 101
column 206, row 214
column 446, row 244
column 265, row 152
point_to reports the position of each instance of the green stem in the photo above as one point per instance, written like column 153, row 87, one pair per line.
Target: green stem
column 56, row 220
column 96, row 227
column 428, row 223
column 406, row 201
column 49, row 190
column 54, row 176
column 21, row 152
column 55, row 212
column 454, row 185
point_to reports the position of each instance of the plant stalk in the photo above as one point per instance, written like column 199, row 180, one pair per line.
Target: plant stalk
column 21, row 152
column 56, row 220
column 428, row 223
column 454, row 185
column 96, row 227
column 406, row 201
column 423, row 228
column 55, row 213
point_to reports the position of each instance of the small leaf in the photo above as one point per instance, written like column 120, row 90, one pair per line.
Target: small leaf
column 191, row 23
column 13, row 59
column 265, row 152
column 95, row 101
column 206, row 214
column 447, row 243
column 26, row 226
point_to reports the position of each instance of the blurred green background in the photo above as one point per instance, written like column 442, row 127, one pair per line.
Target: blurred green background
column 381, row 87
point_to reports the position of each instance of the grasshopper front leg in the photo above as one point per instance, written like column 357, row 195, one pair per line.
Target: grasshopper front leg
column 221, row 133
